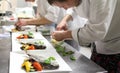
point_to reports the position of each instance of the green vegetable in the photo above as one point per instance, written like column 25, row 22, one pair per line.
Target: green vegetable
column 72, row 58
column 30, row 34
column 69, row 52
column 64, row 54
column 46, row 31
column 51, row 58
column 48, row 61
column 32, row 70
column 39, row 43
column 62, row 50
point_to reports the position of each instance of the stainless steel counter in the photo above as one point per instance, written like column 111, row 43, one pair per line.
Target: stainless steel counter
column 5, row 47
column 81, row 65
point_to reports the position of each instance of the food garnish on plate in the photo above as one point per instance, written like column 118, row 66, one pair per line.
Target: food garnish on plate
column 38, row 63
column 29, row 35
column 39, row 45
column 62, row 49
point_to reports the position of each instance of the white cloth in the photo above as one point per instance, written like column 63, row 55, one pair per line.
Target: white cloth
column 102, row 27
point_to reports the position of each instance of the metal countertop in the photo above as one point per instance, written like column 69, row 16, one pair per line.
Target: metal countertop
column 81, row 65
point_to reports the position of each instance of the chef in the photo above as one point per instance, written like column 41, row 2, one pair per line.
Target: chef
column 48, row 14
column 102, row 28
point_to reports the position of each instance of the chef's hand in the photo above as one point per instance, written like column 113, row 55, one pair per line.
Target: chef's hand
column 61, row 35
column 62, row 26
column 58, row 35
column 21, row 22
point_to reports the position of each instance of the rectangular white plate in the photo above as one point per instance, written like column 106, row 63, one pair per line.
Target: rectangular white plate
column 36, row 35
column 29, row 28
column 16, row 61
column 16, row 45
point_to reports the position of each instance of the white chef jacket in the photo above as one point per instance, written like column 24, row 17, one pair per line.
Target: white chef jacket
column 103, row 25
column 23, row 3
column 52, row 13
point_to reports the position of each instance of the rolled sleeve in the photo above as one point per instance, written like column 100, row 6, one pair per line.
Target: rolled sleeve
column 71, row 11
column 74, row 34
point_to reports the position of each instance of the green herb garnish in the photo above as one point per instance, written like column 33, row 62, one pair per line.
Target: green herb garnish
column 30, row 34
column 62, row 50
column 72, row 58
column 48, row 61
column 39, row 43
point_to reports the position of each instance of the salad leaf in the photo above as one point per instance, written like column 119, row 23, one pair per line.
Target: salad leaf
column 72, row 58
column 62, row 50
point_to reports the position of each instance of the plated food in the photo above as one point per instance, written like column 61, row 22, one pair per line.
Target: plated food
column 24, row 28
column 45, row 30
column 62, row 50
column 29, row 35
column 38, row 45
column 35, row 55
column 38, row 63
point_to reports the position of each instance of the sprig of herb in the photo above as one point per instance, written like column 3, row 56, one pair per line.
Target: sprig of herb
column 72, row 58
column 39, row 43
column 62, row 50
column 48, row 61
column 30, row 34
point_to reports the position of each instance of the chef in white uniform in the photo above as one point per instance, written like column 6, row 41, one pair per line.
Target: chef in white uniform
column 23, row 3
column 103, row 28
column 47, row 14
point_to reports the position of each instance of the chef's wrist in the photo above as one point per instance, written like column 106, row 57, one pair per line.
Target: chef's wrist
column 68, row 34
column 28, row 22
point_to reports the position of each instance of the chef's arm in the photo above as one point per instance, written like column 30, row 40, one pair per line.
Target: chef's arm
column 38, row 21
column 64, row 22
column 67, row 18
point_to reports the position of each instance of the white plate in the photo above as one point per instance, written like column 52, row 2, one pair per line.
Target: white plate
column 17, row 44
column 46, row 29
column 29, row 28
column 36, row 35
column 16, row 61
